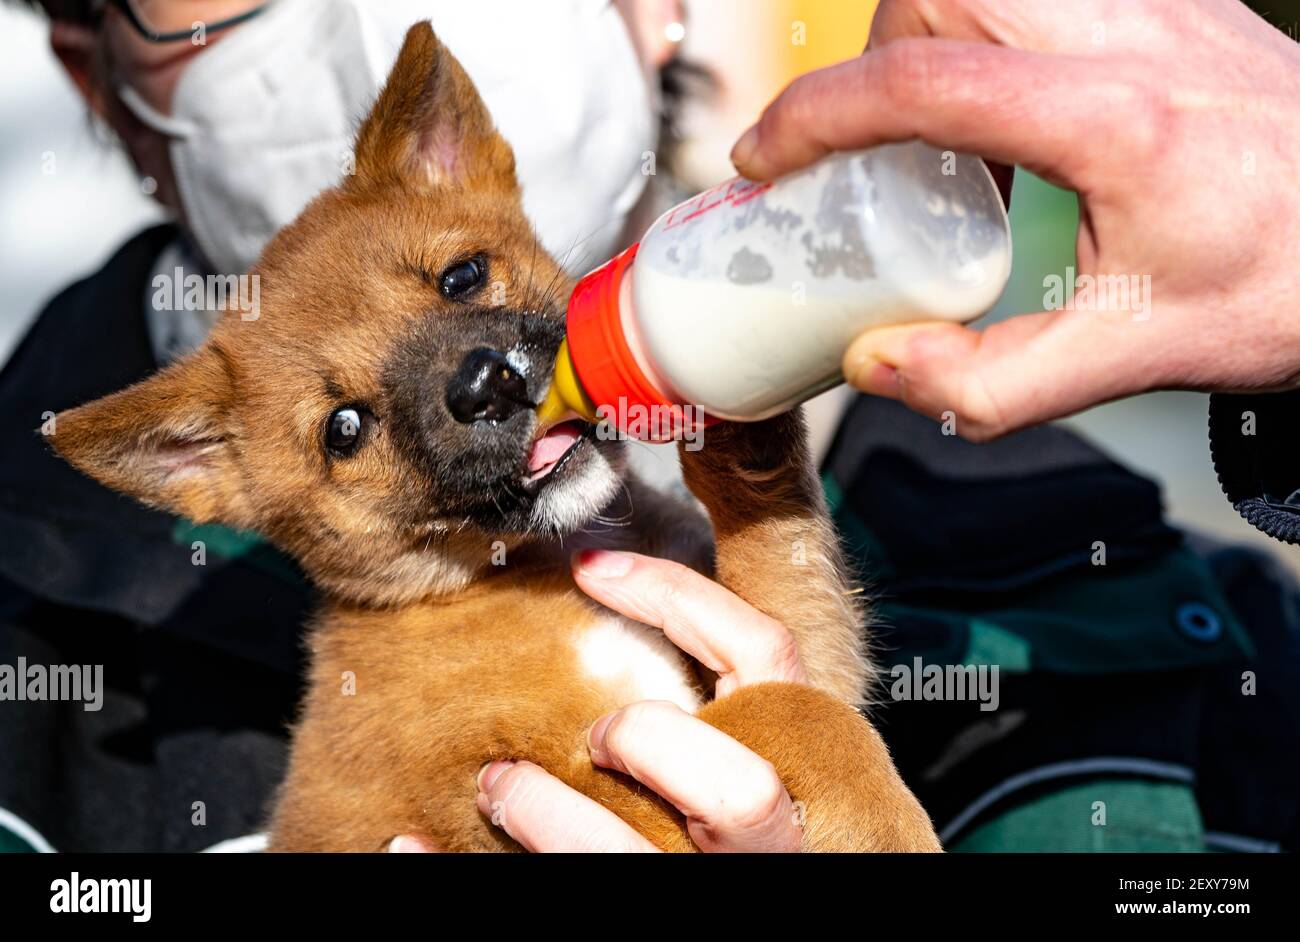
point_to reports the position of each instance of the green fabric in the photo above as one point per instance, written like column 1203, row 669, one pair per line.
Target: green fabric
column 11, row 843
column 226, row 543
column 222, row 541
column 1140, row 817
column 1123, row 623
column 1121, row 618
column 991, row 644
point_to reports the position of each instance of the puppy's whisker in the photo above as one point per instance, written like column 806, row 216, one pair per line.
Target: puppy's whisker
column 584, row 259
column 532, row 263
column 622, row 520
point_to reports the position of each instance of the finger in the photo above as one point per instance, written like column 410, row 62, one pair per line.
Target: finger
column 1008, row 105
column 407, row 844
column 547, row 816
column 710, row 623
column 732, row 798
column 903, row 19
column 1018, row 372
column 1020, row 23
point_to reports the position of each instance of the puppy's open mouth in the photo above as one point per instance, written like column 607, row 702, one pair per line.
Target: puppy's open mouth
column 552, row 450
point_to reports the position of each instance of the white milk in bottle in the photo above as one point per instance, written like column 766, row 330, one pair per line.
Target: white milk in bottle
column 743, row 299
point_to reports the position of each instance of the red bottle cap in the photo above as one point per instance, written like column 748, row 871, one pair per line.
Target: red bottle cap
column 597, row 345
column 603, row 359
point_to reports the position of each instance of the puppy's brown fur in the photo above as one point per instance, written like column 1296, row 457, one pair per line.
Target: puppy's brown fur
column 428, row 660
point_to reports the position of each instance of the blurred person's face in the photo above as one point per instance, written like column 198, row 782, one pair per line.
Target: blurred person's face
column 153, row 68
column 96, row 58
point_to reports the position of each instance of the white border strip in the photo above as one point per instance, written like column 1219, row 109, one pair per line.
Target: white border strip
column 247, row 844
column 25, row 831
column 1045, row 773
column 1240, row 844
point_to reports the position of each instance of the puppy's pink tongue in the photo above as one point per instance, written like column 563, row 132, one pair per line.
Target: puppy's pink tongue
column 551, row 447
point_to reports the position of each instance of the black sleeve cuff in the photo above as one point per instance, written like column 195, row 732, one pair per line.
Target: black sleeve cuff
column 1257, row 456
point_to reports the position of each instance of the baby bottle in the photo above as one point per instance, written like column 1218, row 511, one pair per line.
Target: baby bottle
column 740, row 302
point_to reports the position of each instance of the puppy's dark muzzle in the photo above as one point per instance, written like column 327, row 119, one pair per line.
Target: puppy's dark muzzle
column 459, row 393
column 486, row 388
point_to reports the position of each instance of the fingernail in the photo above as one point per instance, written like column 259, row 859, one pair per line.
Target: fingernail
column 488, row 775
column 406, row 845
column 876, row 378
column 744, row 148
column 596, row 735
column 604, row 564
column 863, row 371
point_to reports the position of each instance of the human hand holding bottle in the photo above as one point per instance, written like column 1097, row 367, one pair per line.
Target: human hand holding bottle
column 1178, row 124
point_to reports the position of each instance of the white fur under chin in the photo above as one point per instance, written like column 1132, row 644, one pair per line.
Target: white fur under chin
column 569, row 502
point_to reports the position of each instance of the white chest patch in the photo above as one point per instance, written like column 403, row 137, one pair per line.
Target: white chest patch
column 638, row 662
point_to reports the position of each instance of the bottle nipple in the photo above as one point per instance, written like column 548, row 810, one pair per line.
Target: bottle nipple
column 566, row 395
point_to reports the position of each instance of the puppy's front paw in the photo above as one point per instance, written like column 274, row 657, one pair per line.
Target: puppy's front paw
column 776, row 547
column 834, row 764
column 743, row 468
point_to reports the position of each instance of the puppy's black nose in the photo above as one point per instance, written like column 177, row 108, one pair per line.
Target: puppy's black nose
column 486, row 387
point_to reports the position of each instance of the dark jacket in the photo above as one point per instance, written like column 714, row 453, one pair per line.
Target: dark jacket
column 202, row 664
column 1150, row 674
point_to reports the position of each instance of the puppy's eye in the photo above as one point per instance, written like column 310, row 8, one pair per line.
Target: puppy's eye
column 343, row 430
column 462, row 278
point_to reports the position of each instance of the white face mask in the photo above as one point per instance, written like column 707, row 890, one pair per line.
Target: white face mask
column 264, row 120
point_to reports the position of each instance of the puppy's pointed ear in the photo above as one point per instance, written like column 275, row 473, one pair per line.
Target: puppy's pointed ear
column 429, row 128
column 163, row 441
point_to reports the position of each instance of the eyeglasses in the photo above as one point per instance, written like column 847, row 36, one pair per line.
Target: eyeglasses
column 165, row 21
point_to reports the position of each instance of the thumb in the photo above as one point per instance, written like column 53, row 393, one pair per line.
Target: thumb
column 1015, row 373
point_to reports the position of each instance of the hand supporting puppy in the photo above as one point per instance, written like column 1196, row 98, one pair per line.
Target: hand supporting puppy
column 732, row 798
